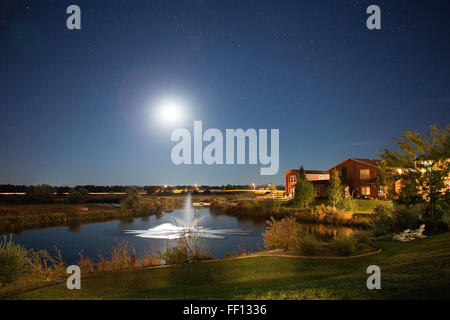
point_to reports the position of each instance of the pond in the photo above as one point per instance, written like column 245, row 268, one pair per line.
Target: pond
column 221, row 234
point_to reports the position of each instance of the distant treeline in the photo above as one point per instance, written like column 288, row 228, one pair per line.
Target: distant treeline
column 11, row 188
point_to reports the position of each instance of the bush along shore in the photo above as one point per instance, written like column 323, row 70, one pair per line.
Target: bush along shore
column 22, row 269
column 288, row 234
column 22, row 217
column 272, row 208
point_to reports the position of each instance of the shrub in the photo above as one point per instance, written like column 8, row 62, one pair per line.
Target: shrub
column 40, row 194
column 328, row 214
column 188, row 248
column 382, row 220
column 408, row 196
column 400, row 217
column 335, row 190
column 406, row 217
column 129, row 201
column 362, row 236
column 350, row 203
column 281, row 234
column 177, row 254
column 304, row 193
column 84, row 192
column 441, row 226
column 308, row 244
column 443, row 205
column 344, row 245
column 12, row 260
column 75, row 198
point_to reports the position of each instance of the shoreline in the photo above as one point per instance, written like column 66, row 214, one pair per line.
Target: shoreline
column 281, row 275
column 16, row 218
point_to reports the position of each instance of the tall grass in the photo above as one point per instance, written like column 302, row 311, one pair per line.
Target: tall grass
column 362, row 236
column 308, row 244
column 344, row 245
column 20, row 267
column 281, row 234
column 186, row 249
column 122, row 257
column 12, row 260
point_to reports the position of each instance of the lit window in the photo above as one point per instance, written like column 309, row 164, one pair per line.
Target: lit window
column 292, row 178
column 365, row 191
column 364, row 174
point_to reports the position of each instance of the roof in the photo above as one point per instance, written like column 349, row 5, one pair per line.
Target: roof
column 370, row 162
column 308, row 172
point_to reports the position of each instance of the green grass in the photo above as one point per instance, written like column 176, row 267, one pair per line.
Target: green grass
column 415, row 270
column 362, row 206
column 367, row 206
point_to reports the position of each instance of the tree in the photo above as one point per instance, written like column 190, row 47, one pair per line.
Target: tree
column 335, row 190
column 76, row 197
column 424, row 162
column 84, row 192
column 301, row 173
column 272, row 188
column 384, row 180
column 40, row 194
column 304, row 190
column 150, row 189
column 409, row 196
column 345, row 180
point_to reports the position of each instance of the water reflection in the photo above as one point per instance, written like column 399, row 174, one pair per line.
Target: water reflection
column 189, row 224
column 221, row 233
column 324, row 232
column 169, row 231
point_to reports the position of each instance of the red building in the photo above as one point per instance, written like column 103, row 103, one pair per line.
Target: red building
column 360, row 174
column 319, row 178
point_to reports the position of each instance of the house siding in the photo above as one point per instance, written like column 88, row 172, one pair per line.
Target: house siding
column 319, row 180
column 354, row 168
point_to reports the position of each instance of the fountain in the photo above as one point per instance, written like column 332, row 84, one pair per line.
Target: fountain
column 188, row 225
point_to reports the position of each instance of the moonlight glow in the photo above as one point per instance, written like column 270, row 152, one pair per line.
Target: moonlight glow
column 170, row 111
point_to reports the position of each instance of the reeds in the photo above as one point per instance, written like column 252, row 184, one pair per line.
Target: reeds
column 20, row 267
column 188, row 248
column 122, row 257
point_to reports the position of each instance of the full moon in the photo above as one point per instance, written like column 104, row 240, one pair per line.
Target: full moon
column 170, row 111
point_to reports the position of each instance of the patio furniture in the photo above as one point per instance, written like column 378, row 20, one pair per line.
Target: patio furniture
column 409, row 235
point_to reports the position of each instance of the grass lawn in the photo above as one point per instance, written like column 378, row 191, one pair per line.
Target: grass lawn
column 367, row 206
column 362, row 206
column 415, row 270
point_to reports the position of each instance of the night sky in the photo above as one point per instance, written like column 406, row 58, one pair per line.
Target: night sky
column 76, row 106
